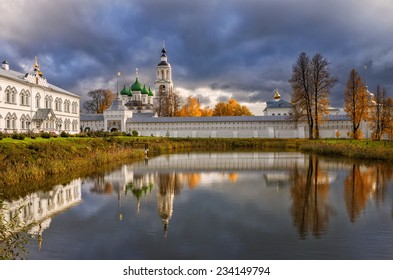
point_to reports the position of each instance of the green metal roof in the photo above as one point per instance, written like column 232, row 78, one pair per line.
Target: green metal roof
column 144, row 90
column 137, row 86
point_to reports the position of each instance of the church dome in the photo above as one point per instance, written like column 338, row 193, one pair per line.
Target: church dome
column 150, row 92
column 164, row 61
column 125, row 91
column 144, row 90
column 137, row 86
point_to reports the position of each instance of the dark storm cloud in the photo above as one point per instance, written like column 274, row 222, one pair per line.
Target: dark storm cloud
column 246, row 48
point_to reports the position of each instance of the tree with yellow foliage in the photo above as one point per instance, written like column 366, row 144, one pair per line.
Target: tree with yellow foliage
column 232, row 108
column 356, row 102
column 192, row 108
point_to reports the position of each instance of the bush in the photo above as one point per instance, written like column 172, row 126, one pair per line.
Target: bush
column 64, row 134
column 18, row 136
column 44, row 134
column 134, row 133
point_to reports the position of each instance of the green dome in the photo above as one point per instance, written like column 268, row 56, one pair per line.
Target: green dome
column 150, row 92
column 137, row 86
column 144, row 90
column 125, row 91
column 129, row 91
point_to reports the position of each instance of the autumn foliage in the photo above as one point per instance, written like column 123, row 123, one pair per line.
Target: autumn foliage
column 356, row 102
column 231, row 108
column 192, row 108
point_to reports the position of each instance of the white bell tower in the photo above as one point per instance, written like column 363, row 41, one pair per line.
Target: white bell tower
column 163, row 82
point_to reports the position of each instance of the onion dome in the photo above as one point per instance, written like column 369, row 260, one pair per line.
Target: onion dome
column 164, row 61
column 129, row 92
column 277, row 95
column 150, row 92
column 144, row 90
column 125, row 91
column 137, row 86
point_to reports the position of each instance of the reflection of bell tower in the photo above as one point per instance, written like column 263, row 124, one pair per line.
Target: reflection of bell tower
column 163, row 82
column 165, row 195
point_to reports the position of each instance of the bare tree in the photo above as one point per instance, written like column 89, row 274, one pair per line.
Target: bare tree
column 321, row 82
column 301, row 92
column 356, row 102
column 100, row 100
column 380, row 114
column 168, row 102
column 311, row 83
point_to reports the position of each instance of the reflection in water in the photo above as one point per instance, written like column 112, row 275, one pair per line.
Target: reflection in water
column 242, row 198
column 309, row 192
column 34, row 212
column 364, row 183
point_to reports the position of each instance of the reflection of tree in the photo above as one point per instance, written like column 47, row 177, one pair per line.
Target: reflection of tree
column 193, row 180
column 100, row 186
column 363, row 183
column 167, row 186
column 309, row 191
column 232, row 177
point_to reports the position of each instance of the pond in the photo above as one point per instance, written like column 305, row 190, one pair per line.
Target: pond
column 238, row 205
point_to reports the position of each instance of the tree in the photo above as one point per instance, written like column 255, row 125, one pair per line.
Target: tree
column 380, row 114
column 311, row 83
column 206, row 112
column 301, row 92
column 356, row 102
column 192, row 108
column 321, row 82
column 100, row 100
column 168, row 102
column 232, row 108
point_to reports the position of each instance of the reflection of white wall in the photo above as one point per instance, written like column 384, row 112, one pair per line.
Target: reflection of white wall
column 40, row 206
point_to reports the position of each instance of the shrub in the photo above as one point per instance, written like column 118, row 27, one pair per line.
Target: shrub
column 18, row 136
column 44, row 134
column 135, row 133
column 64, row 134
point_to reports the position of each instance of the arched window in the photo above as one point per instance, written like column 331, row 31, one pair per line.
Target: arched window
column 48, row 102
column 8, row 94
column 38, row 100
column 167, row 74
column 58, row 103
column 67, row 123
column 74, row 107
column 13, row 92
column 59, row 124
column 10, row 121
column 22, row 97
column 75, row 125
column 27, row 98
column 162, row 75
column 66, row 106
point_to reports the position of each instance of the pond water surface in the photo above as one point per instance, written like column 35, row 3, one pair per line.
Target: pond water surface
column 255, row 205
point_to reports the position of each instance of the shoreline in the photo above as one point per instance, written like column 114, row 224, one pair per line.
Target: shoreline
column 37, row 164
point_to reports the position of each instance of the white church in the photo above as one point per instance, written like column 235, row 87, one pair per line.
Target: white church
column 29, row 103
column 133, row 110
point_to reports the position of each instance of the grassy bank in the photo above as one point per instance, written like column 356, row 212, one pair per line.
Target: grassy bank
column 33, row 164
column 355, row 149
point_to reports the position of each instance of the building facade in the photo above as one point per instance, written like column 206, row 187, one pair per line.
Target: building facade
column 28, row 103
column 125, row 115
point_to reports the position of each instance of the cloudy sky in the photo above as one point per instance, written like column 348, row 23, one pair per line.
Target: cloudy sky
column 217, row 48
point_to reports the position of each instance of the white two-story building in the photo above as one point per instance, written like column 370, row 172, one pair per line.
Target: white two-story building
column 28, row 103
